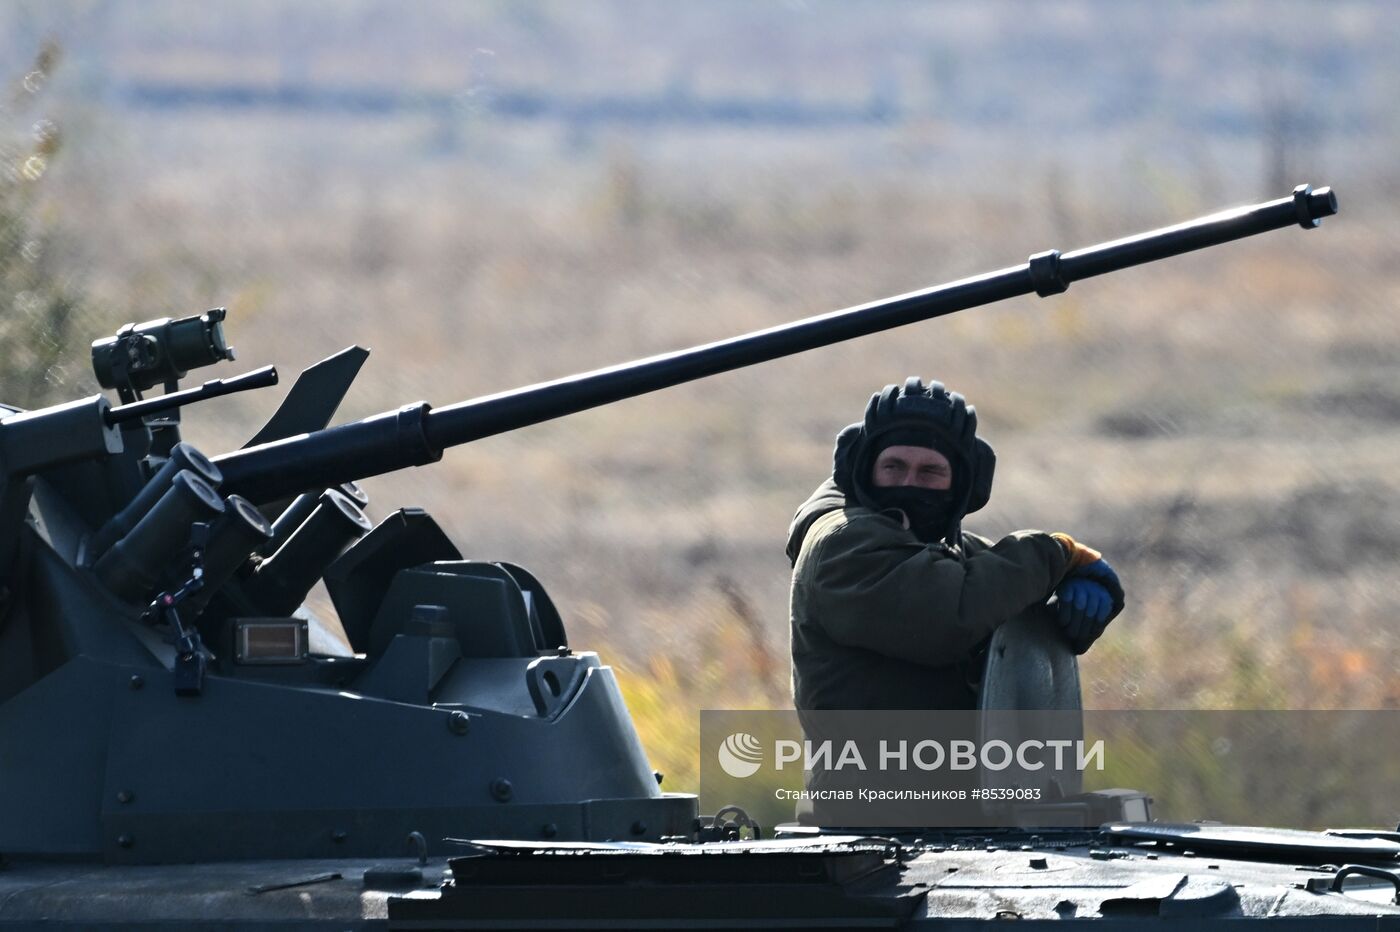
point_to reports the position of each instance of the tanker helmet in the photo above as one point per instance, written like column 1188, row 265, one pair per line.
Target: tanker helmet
column 916, row 415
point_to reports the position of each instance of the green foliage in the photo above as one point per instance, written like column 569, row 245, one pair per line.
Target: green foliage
column 1302, row 769
column 732, row 667
column 1136, row 668
column 38, row 306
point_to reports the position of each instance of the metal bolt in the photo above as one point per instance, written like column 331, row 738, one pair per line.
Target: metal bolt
column 419, row 844
column 136, row 681
column 339, row 835
column 501, row 790
column 125, row 841
column 125, row 796
column 459, row 723
column 639, row 827
column 549, row 830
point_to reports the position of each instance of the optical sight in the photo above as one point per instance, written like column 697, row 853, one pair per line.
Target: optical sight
column 142, row 356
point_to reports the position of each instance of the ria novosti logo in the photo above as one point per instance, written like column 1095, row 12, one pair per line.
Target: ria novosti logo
column 740, row 755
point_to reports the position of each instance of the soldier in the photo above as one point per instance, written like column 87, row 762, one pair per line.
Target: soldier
column 892, row 602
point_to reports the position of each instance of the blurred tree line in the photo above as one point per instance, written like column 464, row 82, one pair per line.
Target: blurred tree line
column 39, row 305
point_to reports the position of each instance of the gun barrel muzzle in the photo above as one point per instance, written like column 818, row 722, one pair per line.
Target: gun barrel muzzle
column 283, row 580
column 182, row 457
column 133, row 566
column 232, row 540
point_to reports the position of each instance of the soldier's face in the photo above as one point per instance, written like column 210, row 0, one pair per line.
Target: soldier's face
column 916, row 466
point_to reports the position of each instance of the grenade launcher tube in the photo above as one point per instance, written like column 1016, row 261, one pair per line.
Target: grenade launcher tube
column 415, row 434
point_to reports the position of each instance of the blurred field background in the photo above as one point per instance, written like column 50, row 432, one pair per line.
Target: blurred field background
column 493, row 194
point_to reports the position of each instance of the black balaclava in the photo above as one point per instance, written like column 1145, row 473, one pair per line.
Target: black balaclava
column 932, row 417
column 933, row 513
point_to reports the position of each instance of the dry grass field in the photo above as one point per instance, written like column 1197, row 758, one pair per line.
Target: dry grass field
column 1225, row 426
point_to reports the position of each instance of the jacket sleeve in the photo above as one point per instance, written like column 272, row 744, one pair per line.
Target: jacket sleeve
column 872, row 586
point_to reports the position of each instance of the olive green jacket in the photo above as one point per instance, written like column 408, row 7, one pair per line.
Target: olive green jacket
column 881, row 620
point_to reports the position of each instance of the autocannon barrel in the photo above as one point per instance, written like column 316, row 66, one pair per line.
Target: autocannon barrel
column 415, row 434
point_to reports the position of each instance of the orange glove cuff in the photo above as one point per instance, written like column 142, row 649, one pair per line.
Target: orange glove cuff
column 1079, row 555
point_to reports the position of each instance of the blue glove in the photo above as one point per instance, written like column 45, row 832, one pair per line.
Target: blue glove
column 1084, row 609
column 1100, row 572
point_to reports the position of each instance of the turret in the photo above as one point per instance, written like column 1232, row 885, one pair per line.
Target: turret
column 151, row 607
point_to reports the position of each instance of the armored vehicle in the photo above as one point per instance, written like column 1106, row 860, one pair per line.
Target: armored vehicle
column 172, row 752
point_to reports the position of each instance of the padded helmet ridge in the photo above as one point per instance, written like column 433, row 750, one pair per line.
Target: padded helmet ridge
column 942, row 419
